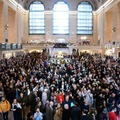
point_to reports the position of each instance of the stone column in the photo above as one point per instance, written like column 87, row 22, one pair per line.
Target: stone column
column 95, row 33
column 73, row 25
column 114, row 30
column 101, row 30
column 48, row 24
column 6, row 28
column 101, row 22
column 26, row 29
column 2, row 27
column 20, row 27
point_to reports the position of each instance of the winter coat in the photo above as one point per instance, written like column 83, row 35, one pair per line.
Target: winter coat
column 58, row 114
column 5, row 106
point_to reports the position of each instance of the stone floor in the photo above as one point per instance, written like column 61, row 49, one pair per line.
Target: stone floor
column 10, row 116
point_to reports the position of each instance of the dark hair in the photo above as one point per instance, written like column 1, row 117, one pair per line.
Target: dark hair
column 113, row 108
column 29, row 115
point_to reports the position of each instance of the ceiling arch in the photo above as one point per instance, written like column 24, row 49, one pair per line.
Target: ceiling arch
column 72, row 3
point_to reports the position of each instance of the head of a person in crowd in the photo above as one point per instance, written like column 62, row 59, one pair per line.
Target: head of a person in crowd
column 7, row 82
column 84, row 112
column 59, row 105
column 107, row 90
column 92, row 110
column 111, row 86
column 113, row 109
column 54, row 97
column 15, row 101
column 35, row 92
column 75, row 103
column 29, row 116
column 67, row 97
column 51, row 103
column 47, row 102
column 84, row 89
column 66, row 106
column 99, row 87
column 101, row 95
column 113, row 95
column 3, row 98
column 85, row 102
column 38, row 110
column 89, row 91
column 21, row 95
column 71, row 95
column 39, row 103
column 38, row 99
column 27, row 86
column 1, row 85
column 105, row 111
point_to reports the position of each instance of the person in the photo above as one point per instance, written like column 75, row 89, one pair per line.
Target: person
column 5, row 108
column 1, row 91
column 112, row 115
column 23, row 101
column 60, row 97
column 84, row 116
column 86, row 71
column 58, row 112
column 49, row 115
column 16, row 108
column 92, row 114
column 89, row 98
column 75, row 111
column 44, row 96
column 66, row 112
column 30, row 116
column 104, row 115
column 38, row 115
column 85, row 107
column 66, row 101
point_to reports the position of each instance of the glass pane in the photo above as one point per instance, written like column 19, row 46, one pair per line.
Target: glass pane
column 84, row 18
column 60, row 18
column 36, row 18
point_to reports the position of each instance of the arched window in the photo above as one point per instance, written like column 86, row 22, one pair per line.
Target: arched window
column 85, row 19
column 60, row 18
column 36, row 18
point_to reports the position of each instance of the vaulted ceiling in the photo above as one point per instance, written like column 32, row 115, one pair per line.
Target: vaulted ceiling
column 96, row 3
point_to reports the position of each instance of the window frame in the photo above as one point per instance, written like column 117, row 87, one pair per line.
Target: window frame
column 29, row 19
column 79, row 12
column 68, row 30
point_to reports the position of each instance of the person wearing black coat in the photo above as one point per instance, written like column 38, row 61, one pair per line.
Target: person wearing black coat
column 66, row 112
column 75, row 112
column 16, row 108
column 84, row 116
column 49, row 115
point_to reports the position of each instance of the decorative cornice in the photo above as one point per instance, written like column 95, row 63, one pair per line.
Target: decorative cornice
column 17, row 5
column 105, row 5
column 20, row 7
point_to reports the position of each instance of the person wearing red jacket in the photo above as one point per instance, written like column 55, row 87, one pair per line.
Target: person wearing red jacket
column 112, row 115
column 60, row 97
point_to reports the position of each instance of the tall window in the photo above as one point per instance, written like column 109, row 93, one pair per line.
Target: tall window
column 60, row 18
column 85, row 19
column 36, row 18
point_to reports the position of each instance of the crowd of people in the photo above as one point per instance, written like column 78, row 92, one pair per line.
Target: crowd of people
column 85, row 88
